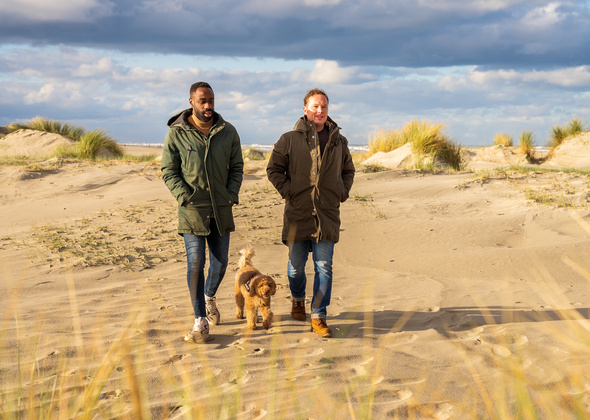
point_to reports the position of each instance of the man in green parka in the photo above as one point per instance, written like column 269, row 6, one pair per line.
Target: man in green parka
column 202, row 166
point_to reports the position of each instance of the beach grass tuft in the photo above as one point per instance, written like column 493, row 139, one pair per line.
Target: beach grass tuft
column 91, row 142
column 527, row 144
column 51, row 126
column 427, row 139
column 560, row 133
column 88, row 144
column 503, row 139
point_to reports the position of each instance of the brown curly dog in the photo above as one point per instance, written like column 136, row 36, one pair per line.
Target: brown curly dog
column 253, row 290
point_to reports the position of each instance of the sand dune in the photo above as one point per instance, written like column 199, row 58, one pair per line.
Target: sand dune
column 453, row 293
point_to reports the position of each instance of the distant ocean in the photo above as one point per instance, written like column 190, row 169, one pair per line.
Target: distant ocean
column 355, row 148
column 261, row 147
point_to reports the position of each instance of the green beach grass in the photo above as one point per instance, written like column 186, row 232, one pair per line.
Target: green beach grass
column 427, row 139
column 503, row 139
column 561, row 133
column 87, row 143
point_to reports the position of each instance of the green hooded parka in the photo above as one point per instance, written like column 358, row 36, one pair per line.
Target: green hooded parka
column 203, row 173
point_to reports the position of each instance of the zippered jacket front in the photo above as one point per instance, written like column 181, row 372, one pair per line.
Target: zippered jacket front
column 312, row 184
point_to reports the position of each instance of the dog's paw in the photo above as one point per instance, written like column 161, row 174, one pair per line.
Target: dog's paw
column 266, row 324
column 239, row 315
column 251, row 327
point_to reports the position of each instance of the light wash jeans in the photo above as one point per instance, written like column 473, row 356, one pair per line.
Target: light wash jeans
column 322, row 254
column 195, row 258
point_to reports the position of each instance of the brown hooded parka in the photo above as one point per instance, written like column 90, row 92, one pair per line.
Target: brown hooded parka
column 312, row 185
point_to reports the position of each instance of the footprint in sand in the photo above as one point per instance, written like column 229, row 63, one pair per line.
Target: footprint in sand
column 500, row 350
column 238, row 344
column 237, row 378
column 315, row 352
column 445, row 411
column 397, row 397
column 361, row 370
column 405, row 382
column 471, row 334
column 518, row 340
column 173, row 359
column 397, row 338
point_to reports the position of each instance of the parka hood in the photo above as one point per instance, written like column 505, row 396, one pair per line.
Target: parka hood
column 182, row 118
column 303, row 124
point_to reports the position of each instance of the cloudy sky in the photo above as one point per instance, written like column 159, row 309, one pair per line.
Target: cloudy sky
column 478, row 66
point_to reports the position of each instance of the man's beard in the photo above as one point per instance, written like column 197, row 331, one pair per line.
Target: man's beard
column 201, row 116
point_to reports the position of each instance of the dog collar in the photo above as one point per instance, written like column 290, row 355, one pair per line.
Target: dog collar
column 247, row 285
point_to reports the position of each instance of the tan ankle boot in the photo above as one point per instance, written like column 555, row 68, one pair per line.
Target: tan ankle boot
column 320, row 327
column 298, row 310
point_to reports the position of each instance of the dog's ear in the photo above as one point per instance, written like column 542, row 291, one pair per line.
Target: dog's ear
column 273, row 286
column 254, row 285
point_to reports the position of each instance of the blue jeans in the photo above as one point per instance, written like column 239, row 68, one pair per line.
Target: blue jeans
column 322, row 254
column 195, row 258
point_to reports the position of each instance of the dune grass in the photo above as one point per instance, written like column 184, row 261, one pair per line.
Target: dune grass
column 527, row 144
column 51, row 126
column 88, row 144
column 427, row 139
column 108, row 376
column 503, row 139
column 560, row 133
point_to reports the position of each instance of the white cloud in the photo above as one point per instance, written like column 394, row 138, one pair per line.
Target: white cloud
column 67, row 94
column 565, row 77
column 480, row 6
column 55, row 10
column 542, row 17
column 42, row 95
column 326, row 71
column 320, row 3
column 102, row 65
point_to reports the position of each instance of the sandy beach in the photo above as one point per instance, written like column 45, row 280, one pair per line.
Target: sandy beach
column 456, row 296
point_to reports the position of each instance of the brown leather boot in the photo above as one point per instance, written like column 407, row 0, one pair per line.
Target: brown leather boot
column 298, row 310
column 319, row 326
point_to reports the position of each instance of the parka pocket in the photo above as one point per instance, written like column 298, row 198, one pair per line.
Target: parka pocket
column 199, row 198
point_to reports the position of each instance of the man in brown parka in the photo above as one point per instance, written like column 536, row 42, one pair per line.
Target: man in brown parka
column 312, row 169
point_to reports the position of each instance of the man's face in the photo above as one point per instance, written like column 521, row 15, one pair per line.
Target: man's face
column 203, row 103
column 316, row 110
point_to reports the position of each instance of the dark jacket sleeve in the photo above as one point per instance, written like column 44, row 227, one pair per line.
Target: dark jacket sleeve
column 172, row 171
column 277, row 170
column 347, row 168
column 236, row 169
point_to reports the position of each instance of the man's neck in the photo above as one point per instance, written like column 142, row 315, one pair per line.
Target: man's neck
column 203, row 127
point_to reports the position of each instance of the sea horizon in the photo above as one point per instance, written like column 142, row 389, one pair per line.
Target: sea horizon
column 355, row 148
column 261, row 147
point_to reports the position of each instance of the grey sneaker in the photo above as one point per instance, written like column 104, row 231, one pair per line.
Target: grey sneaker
column 213, row 314
column 198, row 336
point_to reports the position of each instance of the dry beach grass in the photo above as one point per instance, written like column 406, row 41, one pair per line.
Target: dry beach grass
column 457, row 295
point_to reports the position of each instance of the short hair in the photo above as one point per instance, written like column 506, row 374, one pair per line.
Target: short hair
column 313, row 92
column 197, row 85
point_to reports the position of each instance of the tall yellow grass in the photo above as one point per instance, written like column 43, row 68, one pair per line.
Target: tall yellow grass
column 527, row 144
column 88, row 143
column 503, row 139
column 426, row 138
column 560, row 133
column 105, row 376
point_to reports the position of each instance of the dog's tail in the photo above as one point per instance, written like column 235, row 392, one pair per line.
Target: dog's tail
column 246, row 257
